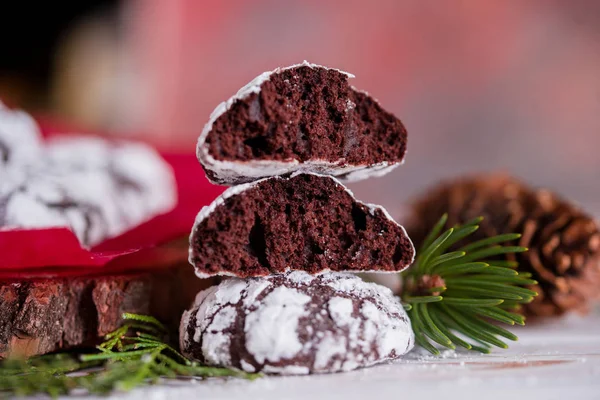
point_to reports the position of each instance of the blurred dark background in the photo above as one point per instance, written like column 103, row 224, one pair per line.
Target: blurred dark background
column 480, row 85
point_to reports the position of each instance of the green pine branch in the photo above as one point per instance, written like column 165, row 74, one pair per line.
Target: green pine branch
column 135, row 354
column 455, row 298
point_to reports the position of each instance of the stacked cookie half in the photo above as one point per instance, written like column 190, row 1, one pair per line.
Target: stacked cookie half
column 288, row 234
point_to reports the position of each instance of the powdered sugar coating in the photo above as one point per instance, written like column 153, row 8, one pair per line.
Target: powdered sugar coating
column 48, row 199
column 96, row 188
column 235, row 172
column 206, row 211
column 296, row 323
column 20, row 139
column 271, row 329
column 144, row 181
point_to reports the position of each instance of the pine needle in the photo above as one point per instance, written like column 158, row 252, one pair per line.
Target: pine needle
column 476, row 288
column 133, row 355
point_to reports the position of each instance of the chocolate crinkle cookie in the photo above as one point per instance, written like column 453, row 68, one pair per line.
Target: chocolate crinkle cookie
column 296, row 323
column 301, row 118
column 305, row 221
column 136, row 179
column 20, row 139
column 97, row 188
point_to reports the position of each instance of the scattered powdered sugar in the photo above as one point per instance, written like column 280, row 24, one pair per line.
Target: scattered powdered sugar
column 286, row 370
column 350, row 105
column 232, row 172
column 419, row 354
column 297, row 323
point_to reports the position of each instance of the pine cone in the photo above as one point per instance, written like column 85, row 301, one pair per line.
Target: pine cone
column 563, row 241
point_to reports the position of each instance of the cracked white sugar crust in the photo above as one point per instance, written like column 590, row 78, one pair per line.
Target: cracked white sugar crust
column 96, row 188
column 20, row 139
column 296, row 323
column 235, row 172
column 137, row 163
column 271, row 330
column 206, row 211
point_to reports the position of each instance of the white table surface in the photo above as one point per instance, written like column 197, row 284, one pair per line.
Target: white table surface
column 559, row 359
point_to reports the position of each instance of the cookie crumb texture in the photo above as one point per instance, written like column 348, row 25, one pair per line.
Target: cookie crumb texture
column 306, row 221
column 307, row 116
column 296, row 324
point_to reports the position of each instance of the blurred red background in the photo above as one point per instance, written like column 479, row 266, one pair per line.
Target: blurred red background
column 480, row 85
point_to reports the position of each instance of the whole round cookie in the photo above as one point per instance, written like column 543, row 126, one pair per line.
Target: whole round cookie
column 304, row 117
column 303, row 221
column 296, row 323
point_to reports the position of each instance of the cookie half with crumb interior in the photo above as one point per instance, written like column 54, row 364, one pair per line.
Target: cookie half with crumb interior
column 303, row 222
column 301, row 118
